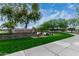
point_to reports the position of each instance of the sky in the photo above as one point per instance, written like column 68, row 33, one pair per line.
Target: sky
column 54, row 11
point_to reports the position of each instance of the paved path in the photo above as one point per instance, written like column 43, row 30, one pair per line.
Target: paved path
column 66, row 47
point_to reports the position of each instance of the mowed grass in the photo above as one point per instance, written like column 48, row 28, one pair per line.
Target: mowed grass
column 14, row 45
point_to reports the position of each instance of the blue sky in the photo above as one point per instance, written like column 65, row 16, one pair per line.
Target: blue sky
column 58, row 6
column 54, row 11
column 52, row 7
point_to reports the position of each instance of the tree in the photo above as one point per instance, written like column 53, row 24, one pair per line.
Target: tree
column 34, row 15
column 10, row 25
column 77, row 13
column 62, row 24
column 73, row 22
column 20, row 13
column 27, row 14
column 51, row 24
column 45, row 26
column 54, row 24
column 71, row 29
column 7, row 11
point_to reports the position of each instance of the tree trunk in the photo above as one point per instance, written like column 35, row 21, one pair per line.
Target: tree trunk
column 10, row 30
column 26, row 24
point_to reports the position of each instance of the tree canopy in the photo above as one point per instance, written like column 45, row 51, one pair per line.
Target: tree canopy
column 20, row 13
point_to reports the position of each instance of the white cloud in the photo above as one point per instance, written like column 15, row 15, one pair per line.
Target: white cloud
column 62, row 14
column 56, row 15
column 71, row 6
column 46, row 12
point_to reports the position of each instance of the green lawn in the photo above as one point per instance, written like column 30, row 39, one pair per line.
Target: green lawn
column 10, row 46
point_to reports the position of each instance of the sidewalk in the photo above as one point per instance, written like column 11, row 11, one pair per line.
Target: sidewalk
column 66, row 47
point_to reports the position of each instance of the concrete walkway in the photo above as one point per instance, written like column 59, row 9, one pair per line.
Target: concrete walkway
column 66, row 47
